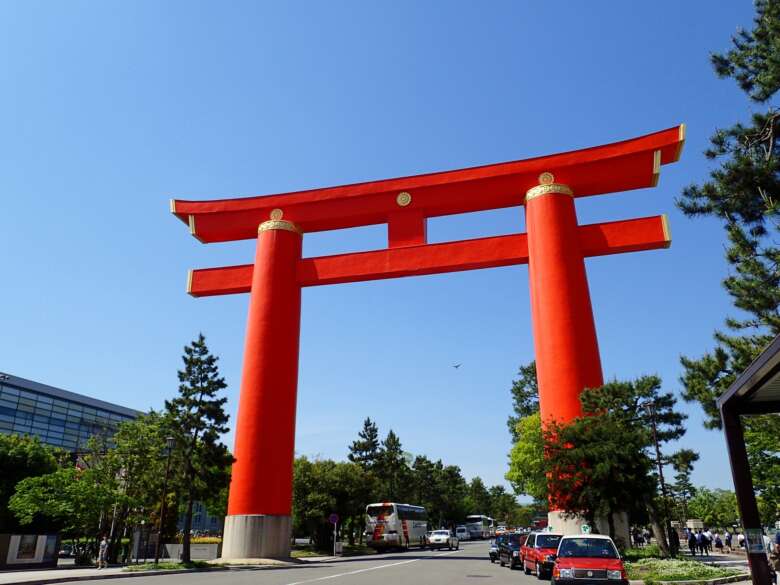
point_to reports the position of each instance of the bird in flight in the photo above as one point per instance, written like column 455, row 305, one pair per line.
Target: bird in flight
column 456, row 366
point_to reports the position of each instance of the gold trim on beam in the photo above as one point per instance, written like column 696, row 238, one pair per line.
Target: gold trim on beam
column 279, row 224
column 189, row 282
column 681, row 136
column 656, row 168
column 173, row 206
column 193, row 231
column 548, row 189
column 667, row 230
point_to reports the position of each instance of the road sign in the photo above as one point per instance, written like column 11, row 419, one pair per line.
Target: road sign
column 333, row 518
column 585, row 529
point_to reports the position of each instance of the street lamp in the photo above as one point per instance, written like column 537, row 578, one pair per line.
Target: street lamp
column 170, row 443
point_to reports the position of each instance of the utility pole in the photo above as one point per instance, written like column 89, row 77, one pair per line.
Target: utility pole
column 667, row 523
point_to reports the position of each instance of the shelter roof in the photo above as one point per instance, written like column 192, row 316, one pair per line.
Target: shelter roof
column 757, row 389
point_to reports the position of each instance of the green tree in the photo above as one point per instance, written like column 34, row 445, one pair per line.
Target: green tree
column 603, row 462
column 743, row 192
column 716, row 508
column 682, row 462
column 392, row 470
column 527, row 469
column 197, row 419
column 525, row 397
column 20, row 458
column 478, row 497
column 365, row 450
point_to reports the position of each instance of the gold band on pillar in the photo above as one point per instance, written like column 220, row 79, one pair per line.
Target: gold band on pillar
column 279, row 224
column 548, row 186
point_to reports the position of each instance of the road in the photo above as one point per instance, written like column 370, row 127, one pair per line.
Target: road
column 467, row 566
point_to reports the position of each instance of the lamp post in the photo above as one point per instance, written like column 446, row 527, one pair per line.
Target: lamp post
column 170, row 442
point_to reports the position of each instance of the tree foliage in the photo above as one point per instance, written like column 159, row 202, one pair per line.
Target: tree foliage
column 20, row 458
column 197, row 418
column 603, row 462
column 525, row 397
column 527, row 469
column 742, row 193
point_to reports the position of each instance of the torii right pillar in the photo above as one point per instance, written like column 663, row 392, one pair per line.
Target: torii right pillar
column 565, row 342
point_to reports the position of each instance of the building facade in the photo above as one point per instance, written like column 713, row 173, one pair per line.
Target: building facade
column 58, row 417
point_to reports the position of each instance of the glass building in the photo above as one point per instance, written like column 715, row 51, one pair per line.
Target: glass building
column 58, row 417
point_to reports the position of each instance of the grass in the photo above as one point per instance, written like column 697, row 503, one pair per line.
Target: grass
column 655, row 570
column 169, row 566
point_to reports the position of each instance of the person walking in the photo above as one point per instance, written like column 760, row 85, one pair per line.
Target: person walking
column 708, row 540
column 718, row 543
column 741, row 540
column 727, row 537
column 701, row 542
column 103, row 553
column 692, row 543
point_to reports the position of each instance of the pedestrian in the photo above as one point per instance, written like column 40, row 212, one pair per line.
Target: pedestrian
column 708, row 540
column 741, row 540
column 692, row 543
column 718, row 543
column 727, row 536
column 774, row 556
column 701, row 543
column 103, row 553
column 674, row 541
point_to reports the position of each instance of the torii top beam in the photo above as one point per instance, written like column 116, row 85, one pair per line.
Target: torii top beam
column 620, row 166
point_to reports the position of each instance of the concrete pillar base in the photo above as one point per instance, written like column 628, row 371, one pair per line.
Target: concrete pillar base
column 256, row 536
column 560, row 524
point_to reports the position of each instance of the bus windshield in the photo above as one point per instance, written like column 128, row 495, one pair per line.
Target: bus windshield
column 376, row 511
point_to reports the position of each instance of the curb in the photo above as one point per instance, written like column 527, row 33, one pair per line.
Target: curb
column 718, row 581
column 122, row 575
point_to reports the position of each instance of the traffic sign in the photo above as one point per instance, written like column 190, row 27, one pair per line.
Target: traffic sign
column 585, row 529
column 333, row 518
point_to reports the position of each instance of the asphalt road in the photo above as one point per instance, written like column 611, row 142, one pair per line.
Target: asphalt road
column 468, row 566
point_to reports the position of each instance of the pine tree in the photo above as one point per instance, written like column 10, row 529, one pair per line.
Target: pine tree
column 684, row 490
column 392, row 470
column 197, row 419
column 525, row 397
column 365, row 450
column 744, row 194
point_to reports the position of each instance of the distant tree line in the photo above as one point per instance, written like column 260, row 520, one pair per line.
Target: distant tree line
column 380, row 470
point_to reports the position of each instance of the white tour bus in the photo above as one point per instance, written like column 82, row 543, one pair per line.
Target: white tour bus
column 391, row 525
column 480, row 526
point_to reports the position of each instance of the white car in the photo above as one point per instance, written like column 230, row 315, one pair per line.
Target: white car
column 462, row 533
column 442, row 539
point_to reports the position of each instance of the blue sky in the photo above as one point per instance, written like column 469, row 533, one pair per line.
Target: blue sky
column 109, row 109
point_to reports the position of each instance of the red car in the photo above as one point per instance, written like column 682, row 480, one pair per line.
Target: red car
column 588, row 558
column 538, row 553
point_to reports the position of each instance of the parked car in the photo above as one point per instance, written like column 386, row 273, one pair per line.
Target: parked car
column 462, row 533
column 591, row 556
column 493, row 550
column 538, row 554
column 442, row 539
column 509, row 549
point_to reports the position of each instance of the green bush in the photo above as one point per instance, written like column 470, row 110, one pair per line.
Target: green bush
column 654, row 570
column 651, row 551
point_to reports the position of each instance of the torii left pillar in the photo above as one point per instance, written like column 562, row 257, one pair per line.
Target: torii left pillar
column 258, row 524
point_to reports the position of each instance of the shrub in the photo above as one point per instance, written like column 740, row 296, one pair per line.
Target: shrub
column 654, row 570
column 651, row 551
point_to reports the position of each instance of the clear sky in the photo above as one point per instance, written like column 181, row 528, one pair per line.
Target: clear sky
column 108, row 109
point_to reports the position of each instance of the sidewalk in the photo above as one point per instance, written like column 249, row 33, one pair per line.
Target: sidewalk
column 60, row 574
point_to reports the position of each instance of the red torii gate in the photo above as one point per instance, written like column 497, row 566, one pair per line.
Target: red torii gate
column 554, row 247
